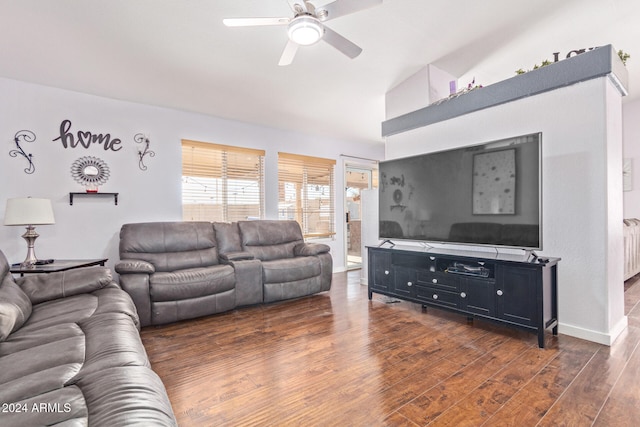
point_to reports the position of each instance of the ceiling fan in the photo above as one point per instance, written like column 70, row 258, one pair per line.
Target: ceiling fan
column 307, row 25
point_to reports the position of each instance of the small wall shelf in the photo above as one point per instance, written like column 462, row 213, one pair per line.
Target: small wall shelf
column 115, row 196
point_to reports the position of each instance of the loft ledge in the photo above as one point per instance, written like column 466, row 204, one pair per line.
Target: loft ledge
column 599, row 62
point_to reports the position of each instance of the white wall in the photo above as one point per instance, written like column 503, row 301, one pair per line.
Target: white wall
column 369, row 202
column 427, row 85
column 582, row 191
column 631, row 137
column 89, row 228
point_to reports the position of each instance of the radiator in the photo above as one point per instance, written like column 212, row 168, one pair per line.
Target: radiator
column 631, row 247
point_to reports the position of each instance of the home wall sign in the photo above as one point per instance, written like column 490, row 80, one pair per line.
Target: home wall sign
column 26, row 136
column 86, row 139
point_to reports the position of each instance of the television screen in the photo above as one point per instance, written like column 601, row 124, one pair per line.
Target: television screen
column 487, row 194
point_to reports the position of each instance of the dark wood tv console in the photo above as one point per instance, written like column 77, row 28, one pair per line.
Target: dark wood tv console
column 515, row 290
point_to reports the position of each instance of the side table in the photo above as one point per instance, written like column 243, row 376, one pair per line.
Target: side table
column 57, row 265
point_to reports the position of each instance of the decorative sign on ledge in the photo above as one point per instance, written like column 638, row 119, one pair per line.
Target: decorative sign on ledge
column 600, row 62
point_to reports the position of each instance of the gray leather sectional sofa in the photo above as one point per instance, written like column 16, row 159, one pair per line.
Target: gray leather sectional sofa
column 71, row 354
column 70, row 349
column 182, row 270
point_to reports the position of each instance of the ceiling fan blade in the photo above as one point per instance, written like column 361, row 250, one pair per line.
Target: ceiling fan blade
column 343, row 45
column 251, row 22
column 339, row 8
column 288, row 53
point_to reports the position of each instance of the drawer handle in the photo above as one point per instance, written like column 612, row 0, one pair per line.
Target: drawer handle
column 386, row 272
column 463, row 295
column 434, row 280
column 499, row 292
column 409, row 284
column 435, row 296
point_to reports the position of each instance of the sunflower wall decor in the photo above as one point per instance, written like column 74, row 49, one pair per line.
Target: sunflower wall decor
column 90, row 172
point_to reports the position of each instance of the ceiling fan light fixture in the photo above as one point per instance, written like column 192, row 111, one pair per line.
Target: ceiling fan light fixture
column 305, row 30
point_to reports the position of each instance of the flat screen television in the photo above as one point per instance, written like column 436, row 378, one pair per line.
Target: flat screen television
column 486, row 194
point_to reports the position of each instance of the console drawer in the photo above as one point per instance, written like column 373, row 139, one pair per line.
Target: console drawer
column 438, row 280
column 438, row 296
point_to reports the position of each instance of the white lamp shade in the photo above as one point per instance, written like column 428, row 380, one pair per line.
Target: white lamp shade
column 28, row 211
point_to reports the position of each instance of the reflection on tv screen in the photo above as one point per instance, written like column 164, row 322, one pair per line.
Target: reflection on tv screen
column 488, row 194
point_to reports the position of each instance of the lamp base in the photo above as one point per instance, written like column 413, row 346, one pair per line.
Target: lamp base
column 30, row 236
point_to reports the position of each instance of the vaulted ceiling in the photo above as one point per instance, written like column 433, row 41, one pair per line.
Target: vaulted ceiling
column 178, row 53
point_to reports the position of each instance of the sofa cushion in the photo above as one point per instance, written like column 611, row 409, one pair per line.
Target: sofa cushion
column 288, row 290
column 118, row 344
column 44, row 359
column 38, row 382
column 290, row 269
column 22, row 340
column 15, row 307
column 270, row 239
column 228, row 237
column 172, row 311
column 170, row 246
column 269, row 232
column 78, row 308
column 61, row 284
column 191, row 283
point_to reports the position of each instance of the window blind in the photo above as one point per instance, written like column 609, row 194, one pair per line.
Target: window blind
column 306, row 193
column 221, row 182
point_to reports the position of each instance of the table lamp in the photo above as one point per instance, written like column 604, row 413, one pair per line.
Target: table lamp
column 29, row 212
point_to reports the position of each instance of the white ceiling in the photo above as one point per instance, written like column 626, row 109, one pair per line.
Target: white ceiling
column 178, row 54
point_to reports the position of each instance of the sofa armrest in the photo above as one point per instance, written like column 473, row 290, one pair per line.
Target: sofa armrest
column 249, row 289
column 248, row 271
column 310, row 249
column 236, row 256
column 46, row 287
column 134, row 266
column 137, row 286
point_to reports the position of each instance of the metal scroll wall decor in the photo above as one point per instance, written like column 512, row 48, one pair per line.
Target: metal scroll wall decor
column 90, row 172
column 143, row 150
column 26, row 136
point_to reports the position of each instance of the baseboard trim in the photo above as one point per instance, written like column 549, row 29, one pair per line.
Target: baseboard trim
column 595, row 336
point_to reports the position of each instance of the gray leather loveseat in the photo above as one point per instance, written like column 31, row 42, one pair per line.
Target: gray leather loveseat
column 181, row 270
column 71, row 354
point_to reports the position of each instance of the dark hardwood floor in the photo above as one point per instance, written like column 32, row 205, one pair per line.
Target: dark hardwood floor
column 337, row 359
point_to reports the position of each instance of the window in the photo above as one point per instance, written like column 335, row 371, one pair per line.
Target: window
column 221, row 182
column 305, row 193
